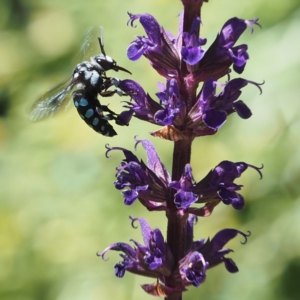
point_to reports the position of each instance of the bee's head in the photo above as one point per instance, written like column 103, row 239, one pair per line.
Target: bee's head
column 105, row 63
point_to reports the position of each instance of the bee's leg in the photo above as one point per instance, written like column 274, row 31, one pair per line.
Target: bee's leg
column 111, row 93
column 104, row 108
column 119, row 119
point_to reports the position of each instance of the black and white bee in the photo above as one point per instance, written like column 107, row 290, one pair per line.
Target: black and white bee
column 91, row 80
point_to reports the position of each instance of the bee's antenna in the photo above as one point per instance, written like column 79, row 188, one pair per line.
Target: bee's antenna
column 101, row 41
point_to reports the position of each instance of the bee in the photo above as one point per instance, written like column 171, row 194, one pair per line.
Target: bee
column 90, row 80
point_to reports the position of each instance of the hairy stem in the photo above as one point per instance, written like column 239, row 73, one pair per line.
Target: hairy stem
column 176, row 231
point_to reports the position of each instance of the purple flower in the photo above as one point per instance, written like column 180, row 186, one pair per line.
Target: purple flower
column 223, row 52
column 204, row 255
column 138, row 181
column 157, row 46
column 218, row 184
column 184, row 196
column 170, row 101
column 192, row 52
column 211, row 110
column 150, row 259
column 230, row 33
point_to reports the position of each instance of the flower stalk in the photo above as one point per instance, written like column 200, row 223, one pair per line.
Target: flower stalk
column 176, row 229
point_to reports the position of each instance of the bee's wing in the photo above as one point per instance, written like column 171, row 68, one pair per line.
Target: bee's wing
column 50, row 103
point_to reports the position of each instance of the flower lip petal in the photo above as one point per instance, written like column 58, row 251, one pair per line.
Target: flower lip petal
column 230, row 265
column 224, row 236
column 145, row 228
column 214, row 119
column 135, row 50
column 127, row 249
column 151, row 27
column 192, row 55
column 242, row 109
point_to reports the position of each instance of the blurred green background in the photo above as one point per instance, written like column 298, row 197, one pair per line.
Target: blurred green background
column 58, row 205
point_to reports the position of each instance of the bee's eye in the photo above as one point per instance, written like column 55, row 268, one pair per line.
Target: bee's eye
column 99, row 60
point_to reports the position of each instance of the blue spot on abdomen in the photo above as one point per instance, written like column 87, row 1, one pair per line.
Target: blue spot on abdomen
column 83, row 102
column 89, row 113
column 95, row 121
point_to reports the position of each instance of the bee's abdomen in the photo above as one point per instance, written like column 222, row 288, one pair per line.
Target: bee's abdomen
column 91, row 112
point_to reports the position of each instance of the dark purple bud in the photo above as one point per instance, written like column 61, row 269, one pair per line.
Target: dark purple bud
column 230, row 265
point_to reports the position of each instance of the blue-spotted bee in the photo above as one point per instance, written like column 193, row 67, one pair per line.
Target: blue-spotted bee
column 90, row 80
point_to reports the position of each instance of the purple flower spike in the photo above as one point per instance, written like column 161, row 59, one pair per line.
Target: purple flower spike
column 191, row 102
